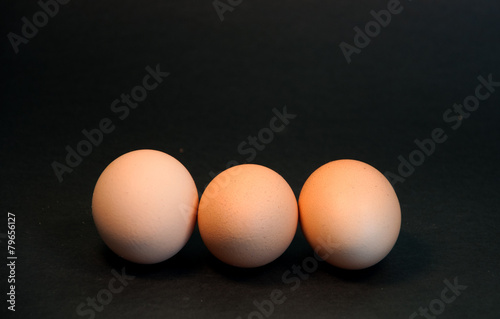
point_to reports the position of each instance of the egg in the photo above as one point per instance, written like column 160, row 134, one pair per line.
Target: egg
column 144, row 206
column 248, row 216
column 349, row 214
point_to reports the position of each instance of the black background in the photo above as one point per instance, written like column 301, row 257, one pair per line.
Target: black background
column 225, row 79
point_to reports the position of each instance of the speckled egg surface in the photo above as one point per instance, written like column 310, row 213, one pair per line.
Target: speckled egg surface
column 248, row 216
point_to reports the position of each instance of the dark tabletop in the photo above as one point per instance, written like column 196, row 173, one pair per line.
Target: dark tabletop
column 415, row 95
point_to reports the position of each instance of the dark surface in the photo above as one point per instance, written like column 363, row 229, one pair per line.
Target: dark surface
column 225, row 79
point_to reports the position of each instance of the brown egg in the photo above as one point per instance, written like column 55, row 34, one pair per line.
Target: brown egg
column 144, row 206
column 349, row 214
column 248, row 216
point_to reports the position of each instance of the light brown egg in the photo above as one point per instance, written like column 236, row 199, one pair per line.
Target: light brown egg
column 349, row 214
column 144, row 206
column 248, row 216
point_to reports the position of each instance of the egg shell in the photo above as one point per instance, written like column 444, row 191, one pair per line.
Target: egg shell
column 350, row 214
column 248, row 216
column 144, row 206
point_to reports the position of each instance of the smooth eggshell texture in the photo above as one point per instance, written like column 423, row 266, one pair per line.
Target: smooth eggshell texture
column 248, row 216
column 349, row 214
column 144, row 206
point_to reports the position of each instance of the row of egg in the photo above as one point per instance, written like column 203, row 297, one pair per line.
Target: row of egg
column 145, row 206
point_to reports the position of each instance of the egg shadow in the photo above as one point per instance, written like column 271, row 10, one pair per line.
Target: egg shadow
column 237, row 274
column 177, row 265
column 187, row 261
column 270, row 273
column 410, row 257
